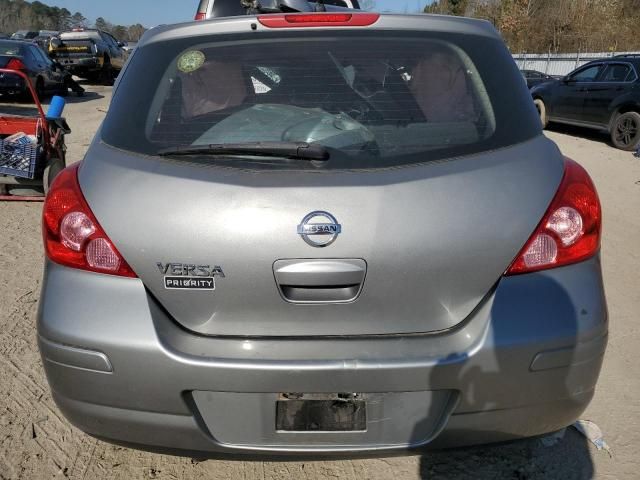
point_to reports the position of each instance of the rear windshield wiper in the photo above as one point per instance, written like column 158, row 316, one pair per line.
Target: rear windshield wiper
column 293, row 150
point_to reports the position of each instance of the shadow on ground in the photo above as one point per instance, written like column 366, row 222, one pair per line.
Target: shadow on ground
column 502, row 398
column 581, row 132
column 568, row 459
column 16, row 106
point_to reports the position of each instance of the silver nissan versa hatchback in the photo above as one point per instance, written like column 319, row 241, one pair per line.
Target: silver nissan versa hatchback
column 318, row 233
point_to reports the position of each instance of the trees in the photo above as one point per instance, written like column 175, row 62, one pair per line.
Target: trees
column 555, row 25
column 78, row 20
column 22, row 15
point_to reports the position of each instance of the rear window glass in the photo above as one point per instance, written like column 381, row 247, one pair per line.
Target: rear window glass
column 80, row 35
column 9, row 48
column 370, row 100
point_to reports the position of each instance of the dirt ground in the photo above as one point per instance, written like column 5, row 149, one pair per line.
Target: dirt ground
column 37, row 443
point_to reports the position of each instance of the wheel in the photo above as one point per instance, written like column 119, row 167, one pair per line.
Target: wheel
column 542, row 111
column 26, row 95
column 53, row 168
column 107, row 74
column 625, row 131
column 63, row 90
column 40, row 89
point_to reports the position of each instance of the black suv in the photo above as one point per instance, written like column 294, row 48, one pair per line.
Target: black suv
column 89, row 53
column 603, row 94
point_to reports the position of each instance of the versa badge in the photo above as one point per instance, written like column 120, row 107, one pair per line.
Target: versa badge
column 183, row 276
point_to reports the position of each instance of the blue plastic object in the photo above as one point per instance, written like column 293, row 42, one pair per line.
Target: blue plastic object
column 56, row 107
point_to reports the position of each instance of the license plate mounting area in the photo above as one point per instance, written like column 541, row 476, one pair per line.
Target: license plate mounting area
column 321, row 412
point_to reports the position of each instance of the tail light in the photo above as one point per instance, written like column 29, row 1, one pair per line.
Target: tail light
column 570, row 229
column 319, row 20
column 201, row 16
column 15, row 64
column 72, row 235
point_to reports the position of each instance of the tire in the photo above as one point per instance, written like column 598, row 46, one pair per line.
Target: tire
column 53, row 168
column 107, row 75
column 40, row 89
column 26, row 95
column 542, row 111
column 625, row 131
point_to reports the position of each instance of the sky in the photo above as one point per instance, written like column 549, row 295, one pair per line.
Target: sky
column 155, row 12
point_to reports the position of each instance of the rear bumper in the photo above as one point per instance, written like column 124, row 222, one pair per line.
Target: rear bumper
column 525, row 363
column 81, row 65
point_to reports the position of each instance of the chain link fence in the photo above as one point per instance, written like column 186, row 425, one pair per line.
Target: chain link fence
column 559, row 63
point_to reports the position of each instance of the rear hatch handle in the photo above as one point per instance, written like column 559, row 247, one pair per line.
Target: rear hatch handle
column 320, row 280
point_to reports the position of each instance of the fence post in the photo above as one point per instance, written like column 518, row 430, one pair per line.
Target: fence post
column 546, row 67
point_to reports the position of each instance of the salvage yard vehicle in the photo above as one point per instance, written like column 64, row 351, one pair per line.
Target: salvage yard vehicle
column 91, row 54
column 533, row 77
column 34, row 63
column 24, row 35
column 321, row 234
column 602, row 95
column 228, row 8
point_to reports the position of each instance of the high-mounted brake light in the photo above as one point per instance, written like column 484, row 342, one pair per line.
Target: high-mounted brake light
column 570, row 229
column 319, row 20
column 72, row 235
column 15, row 64
column 201, row 16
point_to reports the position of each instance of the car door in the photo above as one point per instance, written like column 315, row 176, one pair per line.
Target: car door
column 615, row 80
column 54, row 77
column 570, row 92
column 115, row 52
column 36, row 65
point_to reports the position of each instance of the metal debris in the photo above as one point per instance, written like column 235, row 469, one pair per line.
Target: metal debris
column 592, row 432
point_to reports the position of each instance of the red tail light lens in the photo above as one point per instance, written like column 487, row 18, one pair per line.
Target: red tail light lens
column 201, row 16
column 319, row 20
column 570, row 230
column 72, row 235
column 15, row 64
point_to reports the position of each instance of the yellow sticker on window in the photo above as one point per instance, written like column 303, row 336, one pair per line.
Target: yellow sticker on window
column 191, row 61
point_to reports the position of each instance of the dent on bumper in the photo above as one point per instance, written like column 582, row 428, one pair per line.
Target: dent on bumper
column 525, row 363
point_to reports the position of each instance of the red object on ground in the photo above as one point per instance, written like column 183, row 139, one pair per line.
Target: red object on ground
column 10, row 124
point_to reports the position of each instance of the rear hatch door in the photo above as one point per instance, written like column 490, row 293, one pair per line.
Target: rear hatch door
column 430, row 242
column 438, row 174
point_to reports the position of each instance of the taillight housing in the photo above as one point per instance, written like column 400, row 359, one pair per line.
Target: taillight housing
column 201, row 16
column 570, row 229
column 15, row 64
column 291, row 20
column 72, row 235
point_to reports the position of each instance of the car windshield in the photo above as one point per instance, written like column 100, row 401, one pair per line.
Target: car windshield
column 369, row 101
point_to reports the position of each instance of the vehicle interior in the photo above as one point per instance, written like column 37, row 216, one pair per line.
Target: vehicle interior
column 345, row 99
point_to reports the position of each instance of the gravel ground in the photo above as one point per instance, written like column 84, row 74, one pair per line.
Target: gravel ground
column 37, row 443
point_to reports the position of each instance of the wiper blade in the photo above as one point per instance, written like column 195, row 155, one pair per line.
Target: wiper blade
column 293, row 150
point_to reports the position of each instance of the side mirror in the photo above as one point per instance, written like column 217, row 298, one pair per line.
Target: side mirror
column 121, row 44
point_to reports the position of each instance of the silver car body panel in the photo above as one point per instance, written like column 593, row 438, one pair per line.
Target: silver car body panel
column 446, row 349
column 553, row 322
